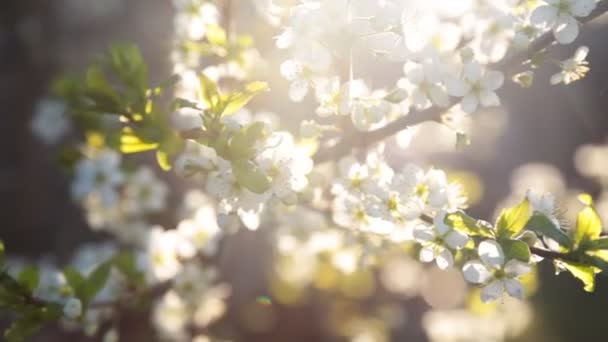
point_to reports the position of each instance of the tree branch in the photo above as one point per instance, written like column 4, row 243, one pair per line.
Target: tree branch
column 552, row 255
column 358, row 139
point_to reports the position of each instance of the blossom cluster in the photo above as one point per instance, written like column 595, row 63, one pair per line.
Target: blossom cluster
column 251, row 171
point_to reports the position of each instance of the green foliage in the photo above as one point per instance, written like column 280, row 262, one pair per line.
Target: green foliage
column 29, row 278
column 219, row 104
column 125, row 263
column 516, row 249
column 233, row 102
column 76, row 281
column 249, row 176
column 242, row 144
column 97, row 280
column 513, row 220
column 588, row 227
column 459, row 220
column 86, row 288
column 540, row 224
column 584, row 273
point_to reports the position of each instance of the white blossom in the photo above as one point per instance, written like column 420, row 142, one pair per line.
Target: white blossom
column 72, row 308
column 561, row 17
column 476, row 86
column 495, row 273
column 572, row 69
column 438, row 241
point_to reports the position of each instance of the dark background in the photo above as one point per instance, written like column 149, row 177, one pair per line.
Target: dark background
column 40, row 39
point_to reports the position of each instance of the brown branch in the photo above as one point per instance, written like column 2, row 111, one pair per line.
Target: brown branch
column 357, row 139
column 552, row 255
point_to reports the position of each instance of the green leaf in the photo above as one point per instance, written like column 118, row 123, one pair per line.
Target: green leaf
column 76, row 281
column 588, row 226
column 512, row 221
column 237, row 100
column 584, row 273
column 216, row 35
column 465, row 223
column 597, row 261
column 249, row 177
column 23, row 328
column 601, row 243
column 540, row 224
column 97, row 280
column 128, row 64
column 242, row 144
column 163, row 160
column 516, row 249
column 29, row 278
column 100, row 91
column 131, row 143
column 125, row 262
column 209, row 93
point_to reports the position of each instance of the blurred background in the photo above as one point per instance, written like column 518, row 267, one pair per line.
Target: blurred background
column 545, row 137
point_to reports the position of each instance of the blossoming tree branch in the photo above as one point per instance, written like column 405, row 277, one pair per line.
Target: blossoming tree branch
column 332, row 177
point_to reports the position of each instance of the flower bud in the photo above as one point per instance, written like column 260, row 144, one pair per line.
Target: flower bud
column 72, row 308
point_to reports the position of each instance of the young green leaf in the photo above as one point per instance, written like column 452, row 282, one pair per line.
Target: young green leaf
column 584, row 273
column 126, row 264
column 209, row 93
column 163, row 160
column 249, row 177
column 131, row 143
column 540, row 224
column 516, row 249
column 588, row 226
column 29, row 278
column 242, row 144
column 216, row 35
column 76, row 281
column 97, row 280
column 512, row 221
column 237, row 100
column 465, row 223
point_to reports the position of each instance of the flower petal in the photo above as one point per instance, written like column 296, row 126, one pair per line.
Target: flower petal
column 298, row 89
column 472, row 71
column 444, row 259
column 566, row 29
column 427, row 253
column 491, row 254
column 456, row 239
column 493, row 80
column 438, row 222
column 469, row 103
column 581, row 53
column 557, row 78
column 515, row 268
column 439, row 96
column 423, row 233
column 476, row 272
column 457, row 87
column 514, row 288
column 492, row 291
column 582, row 8
column 544, row 15
column 489, row 99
